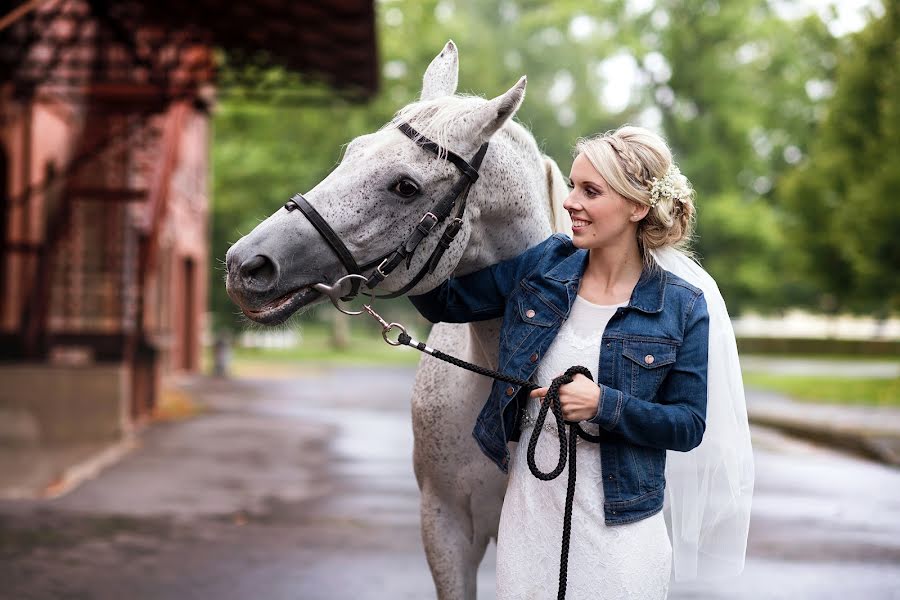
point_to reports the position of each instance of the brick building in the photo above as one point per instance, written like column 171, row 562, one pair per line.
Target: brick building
column 104, row 200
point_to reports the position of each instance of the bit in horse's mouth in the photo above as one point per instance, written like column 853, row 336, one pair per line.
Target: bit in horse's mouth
column 278, row 310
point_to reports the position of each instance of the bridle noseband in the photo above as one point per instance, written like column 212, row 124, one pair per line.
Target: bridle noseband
column 456, row 197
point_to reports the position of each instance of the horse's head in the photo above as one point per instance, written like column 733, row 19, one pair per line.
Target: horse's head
column 374, row 199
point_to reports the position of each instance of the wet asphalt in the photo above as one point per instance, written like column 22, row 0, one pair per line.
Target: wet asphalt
column 302, row 488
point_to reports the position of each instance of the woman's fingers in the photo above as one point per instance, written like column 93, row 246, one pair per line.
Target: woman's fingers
column 539, row 392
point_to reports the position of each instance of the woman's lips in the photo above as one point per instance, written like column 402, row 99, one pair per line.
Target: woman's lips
column 579, row 224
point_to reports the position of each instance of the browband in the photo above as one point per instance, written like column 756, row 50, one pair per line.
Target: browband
column 423, row 142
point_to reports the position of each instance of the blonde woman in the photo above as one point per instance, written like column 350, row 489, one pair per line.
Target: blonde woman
column 606, row 299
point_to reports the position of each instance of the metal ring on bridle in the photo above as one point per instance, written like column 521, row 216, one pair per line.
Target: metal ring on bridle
column 335, row 294
column 387, row 330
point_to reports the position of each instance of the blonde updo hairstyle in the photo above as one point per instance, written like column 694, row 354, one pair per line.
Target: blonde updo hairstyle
column 629, row 159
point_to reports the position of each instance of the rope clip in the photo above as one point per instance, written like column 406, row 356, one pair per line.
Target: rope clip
column 334, row 293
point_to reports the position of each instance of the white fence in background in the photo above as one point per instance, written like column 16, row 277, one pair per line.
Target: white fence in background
column 801, row 324
column 277, row 338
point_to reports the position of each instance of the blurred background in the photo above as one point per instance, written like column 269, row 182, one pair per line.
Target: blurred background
column 142, row 419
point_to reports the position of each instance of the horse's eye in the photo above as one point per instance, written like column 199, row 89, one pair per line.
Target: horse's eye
column 406, row 188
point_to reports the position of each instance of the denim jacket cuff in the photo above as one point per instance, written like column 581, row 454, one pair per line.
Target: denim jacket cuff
column 609, row 408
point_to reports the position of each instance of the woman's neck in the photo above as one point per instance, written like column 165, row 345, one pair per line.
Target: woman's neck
column 611, row 273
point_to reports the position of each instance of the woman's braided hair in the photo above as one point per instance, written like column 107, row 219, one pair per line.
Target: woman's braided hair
column 638, row 165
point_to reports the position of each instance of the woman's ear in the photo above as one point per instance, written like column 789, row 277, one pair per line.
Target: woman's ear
column 639, row 211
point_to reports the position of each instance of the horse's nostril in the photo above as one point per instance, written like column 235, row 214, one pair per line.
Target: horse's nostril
column 259, row 268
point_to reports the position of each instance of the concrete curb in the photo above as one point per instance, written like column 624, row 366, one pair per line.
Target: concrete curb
column 50, row 472
column 869, row 432
column 90, row 468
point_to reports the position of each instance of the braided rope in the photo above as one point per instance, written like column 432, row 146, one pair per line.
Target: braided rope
column 567, row 450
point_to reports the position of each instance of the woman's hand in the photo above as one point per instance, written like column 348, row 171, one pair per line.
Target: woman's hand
column 578, row 399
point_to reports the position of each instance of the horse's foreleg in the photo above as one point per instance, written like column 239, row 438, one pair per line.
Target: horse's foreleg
column 462, row 491
column 453, row 545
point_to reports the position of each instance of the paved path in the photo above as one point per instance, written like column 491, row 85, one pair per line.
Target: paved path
column 303, row 489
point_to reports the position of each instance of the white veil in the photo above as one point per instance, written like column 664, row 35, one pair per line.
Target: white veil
column 708, row 490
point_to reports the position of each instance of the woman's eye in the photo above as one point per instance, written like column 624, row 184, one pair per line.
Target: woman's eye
column 590, row 193
column 569, row 184
column 406, row 188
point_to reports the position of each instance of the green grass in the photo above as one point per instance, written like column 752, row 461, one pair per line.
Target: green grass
column 359, row 352
column 890, row 358
column 366, row 348
column 836, row 390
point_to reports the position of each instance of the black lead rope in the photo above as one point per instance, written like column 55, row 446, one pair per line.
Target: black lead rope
column 567, row 442
column 567, row 439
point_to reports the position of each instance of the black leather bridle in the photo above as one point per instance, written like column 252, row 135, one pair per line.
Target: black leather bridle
column 455, row 197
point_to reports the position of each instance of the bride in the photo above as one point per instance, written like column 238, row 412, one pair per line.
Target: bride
column 622, row 298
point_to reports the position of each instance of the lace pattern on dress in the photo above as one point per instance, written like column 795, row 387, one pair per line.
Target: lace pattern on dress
column 622, row 562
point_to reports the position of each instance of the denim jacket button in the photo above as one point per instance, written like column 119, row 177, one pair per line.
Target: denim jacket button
column 529, row 313
column 533, row 357
column 510, row 391
column 648, row 359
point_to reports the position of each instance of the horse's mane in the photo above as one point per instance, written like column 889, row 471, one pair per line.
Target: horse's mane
column 439, row 118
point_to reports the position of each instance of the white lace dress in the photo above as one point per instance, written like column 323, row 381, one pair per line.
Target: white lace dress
column 630, row 561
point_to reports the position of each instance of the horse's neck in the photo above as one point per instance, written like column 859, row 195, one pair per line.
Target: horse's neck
column 517, row 213
column 514, row 211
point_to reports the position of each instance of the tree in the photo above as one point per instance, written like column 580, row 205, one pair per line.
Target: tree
column 842, row 198
column 736, row 112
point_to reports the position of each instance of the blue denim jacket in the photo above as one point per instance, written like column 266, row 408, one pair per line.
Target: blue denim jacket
column 652, row 371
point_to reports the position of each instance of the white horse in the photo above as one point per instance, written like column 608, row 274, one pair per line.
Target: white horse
column 516, row 203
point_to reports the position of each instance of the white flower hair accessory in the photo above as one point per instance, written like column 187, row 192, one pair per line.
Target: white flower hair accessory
column 665, row 187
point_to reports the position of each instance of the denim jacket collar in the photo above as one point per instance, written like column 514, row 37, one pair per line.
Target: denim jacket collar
column 648, row 295
column 650, row 292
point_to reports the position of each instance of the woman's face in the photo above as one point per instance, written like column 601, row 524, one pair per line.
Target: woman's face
column 600, row 216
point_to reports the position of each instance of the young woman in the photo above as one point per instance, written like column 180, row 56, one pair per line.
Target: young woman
column 602, row 300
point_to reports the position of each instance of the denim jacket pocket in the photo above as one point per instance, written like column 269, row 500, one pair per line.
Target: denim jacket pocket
column 527, row 316
column 533, row 311
column 646, row 365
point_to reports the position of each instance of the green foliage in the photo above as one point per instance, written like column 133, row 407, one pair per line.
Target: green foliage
column 843, row 196
column 738, row 228
column 735, row 112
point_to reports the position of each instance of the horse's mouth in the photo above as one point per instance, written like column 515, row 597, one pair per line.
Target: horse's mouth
column 278, row 310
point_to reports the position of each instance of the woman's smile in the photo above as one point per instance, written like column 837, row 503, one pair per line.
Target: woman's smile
column 578, row 224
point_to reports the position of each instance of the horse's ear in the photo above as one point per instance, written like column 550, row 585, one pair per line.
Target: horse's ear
column 493, row 115
column 442, row 74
